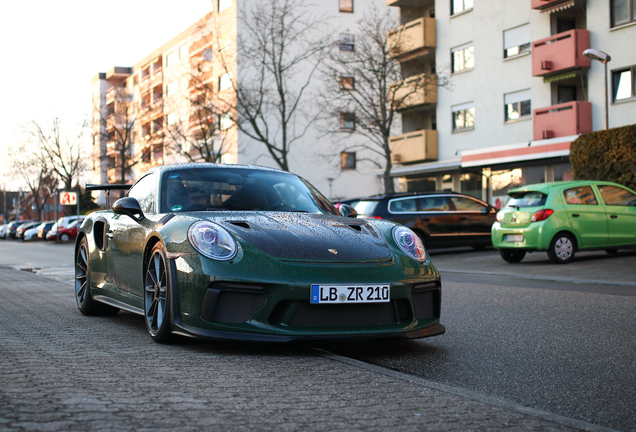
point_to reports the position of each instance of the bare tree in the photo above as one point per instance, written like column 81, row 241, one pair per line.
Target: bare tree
column 31, row 167
column 278, row 53
column 203, row 134
column 365, row 89
column 118, row 124
column 62, row 149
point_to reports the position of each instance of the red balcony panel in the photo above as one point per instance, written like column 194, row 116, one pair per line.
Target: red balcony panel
column 566, row 119
column 542, row 4
column 560, row 52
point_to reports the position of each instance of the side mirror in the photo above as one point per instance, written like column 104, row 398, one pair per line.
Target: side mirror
column 487, row 209
column 128, row 206
column 347, row 211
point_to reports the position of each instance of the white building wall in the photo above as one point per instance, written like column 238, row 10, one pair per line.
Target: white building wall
column 619, row 44
column 316, row 156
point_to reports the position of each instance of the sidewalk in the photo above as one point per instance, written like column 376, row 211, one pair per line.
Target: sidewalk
column 589, row 267
column 60, row 370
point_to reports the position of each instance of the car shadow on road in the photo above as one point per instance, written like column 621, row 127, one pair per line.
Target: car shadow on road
column 125, row 322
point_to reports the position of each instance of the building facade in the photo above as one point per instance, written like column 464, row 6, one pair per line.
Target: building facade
column 152, row 113
column 519, row 92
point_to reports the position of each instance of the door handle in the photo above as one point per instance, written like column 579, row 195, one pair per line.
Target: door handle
column 575, row 215
column 614, row 216
column 463, row 218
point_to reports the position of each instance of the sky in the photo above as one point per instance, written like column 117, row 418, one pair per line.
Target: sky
column 52, row 48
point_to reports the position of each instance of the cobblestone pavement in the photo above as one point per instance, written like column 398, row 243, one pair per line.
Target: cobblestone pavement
column 60, row 370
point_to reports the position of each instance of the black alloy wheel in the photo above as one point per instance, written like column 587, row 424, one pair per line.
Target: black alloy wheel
column 512, row 255
column 83, row 296
column 157, row 295
column 562, row 248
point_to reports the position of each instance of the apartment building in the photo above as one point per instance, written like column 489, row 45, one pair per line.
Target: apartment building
column 520, row 89
column 140, row 103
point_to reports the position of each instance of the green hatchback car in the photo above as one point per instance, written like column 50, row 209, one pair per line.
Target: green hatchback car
column 563, row 217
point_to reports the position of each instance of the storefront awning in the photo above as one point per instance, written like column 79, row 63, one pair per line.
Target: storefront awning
column 531, row 150
column 425, row 168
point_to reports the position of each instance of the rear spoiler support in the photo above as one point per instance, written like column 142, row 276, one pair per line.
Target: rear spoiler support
column 107, row 188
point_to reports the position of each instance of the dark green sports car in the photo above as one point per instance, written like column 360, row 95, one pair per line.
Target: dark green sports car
column 246, row 252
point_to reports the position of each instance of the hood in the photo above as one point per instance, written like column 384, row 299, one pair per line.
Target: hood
column 304, row 236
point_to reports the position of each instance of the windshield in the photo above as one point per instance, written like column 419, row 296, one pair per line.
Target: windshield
column 526, row 199
column 239, row 189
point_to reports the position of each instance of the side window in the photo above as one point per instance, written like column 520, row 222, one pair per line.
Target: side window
column 467, row 204
column 144, row 192
column 438, row 203
column 403, row 206
column 616, row 196
column 580, row 195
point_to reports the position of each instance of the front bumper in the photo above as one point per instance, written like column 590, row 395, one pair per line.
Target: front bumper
column 270, row 307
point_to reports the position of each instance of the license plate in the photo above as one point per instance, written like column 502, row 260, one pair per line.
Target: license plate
column 322, row 294
column 514, row 237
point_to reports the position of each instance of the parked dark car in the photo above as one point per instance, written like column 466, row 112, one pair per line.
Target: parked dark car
column 44, row 229
column 13, row 227
column 441, row 219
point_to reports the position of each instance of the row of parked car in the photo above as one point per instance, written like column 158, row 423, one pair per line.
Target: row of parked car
column 559, row 218
column 64, row 228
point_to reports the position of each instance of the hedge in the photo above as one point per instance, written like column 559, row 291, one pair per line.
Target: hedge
column 608, row 155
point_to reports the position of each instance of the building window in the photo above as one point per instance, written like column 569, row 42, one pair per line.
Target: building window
column 171, row 59
column 624, row 84
column 171, row 89
column 184, row 51
column 225, row 40
column 225, row 81
column 458, row 6
column 463, row 58
column 345, row 5
column 517, row 105
column 225, row 121
column 623, row 12
column 347, row 121
column 463, row 116
column 347, row 42
column 516, row 40
column 347, row 83
column 348, row 160
column 224, row 4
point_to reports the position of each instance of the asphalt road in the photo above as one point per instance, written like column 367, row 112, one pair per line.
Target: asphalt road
column 520, row 353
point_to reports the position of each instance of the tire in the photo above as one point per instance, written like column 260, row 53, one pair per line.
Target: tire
column 157, row 291
column 562, row 248
column 512, row 256
column 612, row 251
column 65, row 237
column 83, row 296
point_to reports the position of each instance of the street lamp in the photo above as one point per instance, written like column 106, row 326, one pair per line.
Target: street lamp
column 603, row 58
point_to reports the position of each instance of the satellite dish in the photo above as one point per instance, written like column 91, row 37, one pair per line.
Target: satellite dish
column 207, row 54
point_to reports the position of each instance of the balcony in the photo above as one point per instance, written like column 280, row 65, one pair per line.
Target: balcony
column 414, row 146
column 412, row 38
column 546, row 5
column 566, row 119
column 561, row 52
column 415, row 91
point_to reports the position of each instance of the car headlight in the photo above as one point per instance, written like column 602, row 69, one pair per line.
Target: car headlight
column 410, row 243
column 212, row 241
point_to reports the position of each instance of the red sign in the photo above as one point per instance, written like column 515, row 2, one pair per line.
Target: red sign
column 68, row 198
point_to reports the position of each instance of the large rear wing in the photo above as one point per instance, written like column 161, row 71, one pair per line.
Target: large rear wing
column 107, row 188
